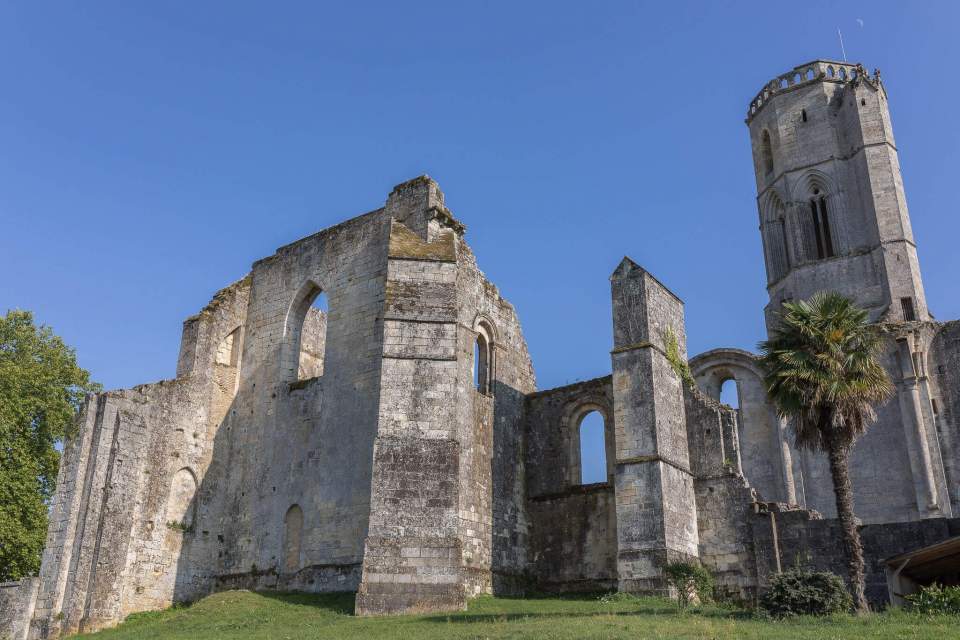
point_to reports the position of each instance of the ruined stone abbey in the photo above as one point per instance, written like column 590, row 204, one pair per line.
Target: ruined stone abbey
column 395, row 444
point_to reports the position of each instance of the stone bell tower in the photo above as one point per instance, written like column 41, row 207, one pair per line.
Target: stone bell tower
column 833, row 215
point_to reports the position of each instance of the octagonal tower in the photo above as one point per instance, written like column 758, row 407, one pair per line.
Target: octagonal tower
column 833, row 215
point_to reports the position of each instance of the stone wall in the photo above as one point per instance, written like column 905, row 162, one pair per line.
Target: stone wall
column 785, row 538
column 449, row 447
column 17, row 600
column 725, row 500
column 493, row 520
column 573, row 527
column 768, row 459
column 113, row 545
column 574, row 539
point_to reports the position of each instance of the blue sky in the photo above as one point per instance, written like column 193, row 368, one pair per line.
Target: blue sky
column 150, row 152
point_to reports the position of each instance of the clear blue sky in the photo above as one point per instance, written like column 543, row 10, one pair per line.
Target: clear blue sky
column 150, row 152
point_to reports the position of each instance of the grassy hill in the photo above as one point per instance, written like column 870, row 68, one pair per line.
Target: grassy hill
column 243, row 615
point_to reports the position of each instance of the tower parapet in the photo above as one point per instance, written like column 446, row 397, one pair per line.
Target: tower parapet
column 816, row 71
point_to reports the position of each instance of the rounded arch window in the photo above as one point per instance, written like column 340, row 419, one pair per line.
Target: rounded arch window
column 483, row 359
column 591, row 429
column 730, row 392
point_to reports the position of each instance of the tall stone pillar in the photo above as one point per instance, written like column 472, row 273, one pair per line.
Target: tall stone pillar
column 413, row 554
column 656, row 508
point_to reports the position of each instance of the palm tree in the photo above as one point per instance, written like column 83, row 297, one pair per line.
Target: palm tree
column 822, row 372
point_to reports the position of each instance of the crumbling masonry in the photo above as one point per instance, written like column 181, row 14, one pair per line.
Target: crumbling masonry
column 395, row 444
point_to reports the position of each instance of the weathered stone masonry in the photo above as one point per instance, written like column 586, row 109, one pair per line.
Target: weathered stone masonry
column 395, row 444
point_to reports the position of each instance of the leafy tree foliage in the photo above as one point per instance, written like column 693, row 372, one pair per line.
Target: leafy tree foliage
column 41, row 388
column 823, row 373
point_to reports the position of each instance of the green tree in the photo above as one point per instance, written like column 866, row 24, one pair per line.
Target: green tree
column 41, row 388
column 822, row 371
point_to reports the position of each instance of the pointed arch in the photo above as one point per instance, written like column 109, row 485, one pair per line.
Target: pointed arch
column 181, row 501
column 766, row 153
column 818, row 214
column 293, row 331
column 774, row 228
column 228, row 351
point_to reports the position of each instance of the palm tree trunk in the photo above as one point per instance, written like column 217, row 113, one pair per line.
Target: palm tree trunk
column 839, row 455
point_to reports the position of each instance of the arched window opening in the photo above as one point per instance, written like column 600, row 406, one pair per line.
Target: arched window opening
column 483, row 361
column 228, row 352
column 775, row 237
column 730, row 393
column 292, row 534
column 313, row 338
column 226, row 378
column 823, row 239
column 180, row 503
column 593, row 448
column 803, row 115
column 766, row 153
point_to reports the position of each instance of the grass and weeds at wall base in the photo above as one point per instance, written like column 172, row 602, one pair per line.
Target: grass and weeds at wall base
column 243, row 615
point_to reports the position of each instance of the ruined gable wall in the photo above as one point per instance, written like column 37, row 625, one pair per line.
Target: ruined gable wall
column 573, row 527
column 306, row 442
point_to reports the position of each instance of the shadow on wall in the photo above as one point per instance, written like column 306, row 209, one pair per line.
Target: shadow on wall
column 284, row 501
column 509, row 546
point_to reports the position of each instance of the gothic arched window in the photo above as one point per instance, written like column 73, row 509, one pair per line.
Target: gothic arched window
column 822, row 239
column 775, row 237
column 766, row 153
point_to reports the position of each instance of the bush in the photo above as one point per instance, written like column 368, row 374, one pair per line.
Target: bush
column 935, row 599
column 689, row 580
column 801, row 592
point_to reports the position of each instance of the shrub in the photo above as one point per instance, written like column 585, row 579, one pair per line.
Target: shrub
column 689, row 580
column 935, row 599
column 801, row 592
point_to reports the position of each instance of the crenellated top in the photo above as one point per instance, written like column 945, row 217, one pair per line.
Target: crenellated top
column 803, row 75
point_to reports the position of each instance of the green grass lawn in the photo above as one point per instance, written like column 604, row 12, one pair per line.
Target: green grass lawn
column 246, row 615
